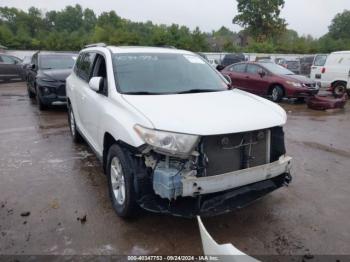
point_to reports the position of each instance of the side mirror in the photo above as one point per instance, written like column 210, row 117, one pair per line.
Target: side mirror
column 96, row 83
column 262, row 73
column 220, row 67
column 228, row 79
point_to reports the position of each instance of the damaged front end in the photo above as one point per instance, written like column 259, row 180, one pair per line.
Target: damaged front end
column 212, row 174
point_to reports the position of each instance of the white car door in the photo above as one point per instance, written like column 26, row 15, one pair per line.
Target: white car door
column 93, row 103
column 81, row 91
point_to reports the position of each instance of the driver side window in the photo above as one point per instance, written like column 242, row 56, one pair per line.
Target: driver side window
column 100, row 70
column 8, row 60
column 253, row 69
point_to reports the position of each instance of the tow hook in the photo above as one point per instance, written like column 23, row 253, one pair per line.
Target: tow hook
column 288, row 179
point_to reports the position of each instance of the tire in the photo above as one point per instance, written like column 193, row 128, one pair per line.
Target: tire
column 77, row 138
column 339, row 89
column 120, row 182
column 30, row 93
column 41, row 105
column 301, row 100
column 277, row 94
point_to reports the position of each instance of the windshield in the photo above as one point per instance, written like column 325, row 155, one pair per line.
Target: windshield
column 159, row 73
column 277, row 69
column 59, row 61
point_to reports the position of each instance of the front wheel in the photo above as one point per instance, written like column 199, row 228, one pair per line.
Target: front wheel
column 120, row 182
column 30, row 93
column 41, row 105
column 277, row 94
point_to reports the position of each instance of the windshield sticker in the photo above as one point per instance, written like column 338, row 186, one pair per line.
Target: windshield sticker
column 194, row 59
column 136, row 58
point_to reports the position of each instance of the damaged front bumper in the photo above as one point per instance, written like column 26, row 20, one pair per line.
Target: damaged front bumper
column 264, row 180
column 193, row 186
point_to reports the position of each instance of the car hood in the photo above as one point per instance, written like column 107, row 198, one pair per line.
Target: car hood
column 56, row 74
column 208, row 113
column 299, row 78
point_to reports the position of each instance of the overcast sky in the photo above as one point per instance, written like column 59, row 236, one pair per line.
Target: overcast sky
column 305, row 16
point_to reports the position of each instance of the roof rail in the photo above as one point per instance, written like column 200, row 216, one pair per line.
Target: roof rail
column 96, row 45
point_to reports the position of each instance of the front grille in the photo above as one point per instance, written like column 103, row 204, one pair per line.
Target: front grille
column 232, row 152
column 61, row 90
column 313, row 85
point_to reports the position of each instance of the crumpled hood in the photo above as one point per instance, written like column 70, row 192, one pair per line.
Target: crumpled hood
column 299, row 78
column 57, row 74
column 208, row 113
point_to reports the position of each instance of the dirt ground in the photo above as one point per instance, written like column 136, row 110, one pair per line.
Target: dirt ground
column 44, row 173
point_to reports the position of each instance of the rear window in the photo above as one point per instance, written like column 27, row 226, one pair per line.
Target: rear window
column 320, row 60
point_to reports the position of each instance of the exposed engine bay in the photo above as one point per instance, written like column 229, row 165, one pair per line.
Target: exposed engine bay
column 254, row 163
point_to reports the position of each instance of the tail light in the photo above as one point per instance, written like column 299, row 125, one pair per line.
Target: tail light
column 323, row 70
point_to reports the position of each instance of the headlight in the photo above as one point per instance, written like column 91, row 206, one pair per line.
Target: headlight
column 167, row 142
column 295, row 84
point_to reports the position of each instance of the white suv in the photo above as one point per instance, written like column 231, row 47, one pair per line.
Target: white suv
column 172, row 135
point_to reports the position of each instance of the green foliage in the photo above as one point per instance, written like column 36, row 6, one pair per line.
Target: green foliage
column 340, row 26
column 261, row 18
column 74, row 27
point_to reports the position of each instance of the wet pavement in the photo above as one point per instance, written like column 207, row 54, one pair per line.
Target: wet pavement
column 44, row 173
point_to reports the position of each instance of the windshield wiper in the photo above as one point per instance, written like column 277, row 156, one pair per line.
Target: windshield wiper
column 193, row 91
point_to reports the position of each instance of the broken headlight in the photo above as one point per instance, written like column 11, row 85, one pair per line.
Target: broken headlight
column 167, row 142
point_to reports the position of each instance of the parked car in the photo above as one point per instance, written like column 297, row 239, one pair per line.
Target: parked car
column 305, row 65
column 171, row 135
column 46, row 79
column 10, row 68
column 230, row 59
column 333, row 73
column 294, row 66
column 269, row 79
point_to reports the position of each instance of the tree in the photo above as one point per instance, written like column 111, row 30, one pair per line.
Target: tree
column 261, row 18
column 340, row 26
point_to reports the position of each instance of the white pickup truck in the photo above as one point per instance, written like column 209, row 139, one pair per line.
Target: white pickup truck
column 171, row 133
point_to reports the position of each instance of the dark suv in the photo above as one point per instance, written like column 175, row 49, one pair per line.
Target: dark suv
column 269, row 79
column 46, row 80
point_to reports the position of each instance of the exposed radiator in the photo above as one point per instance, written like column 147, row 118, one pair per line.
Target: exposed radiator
column 232, row 152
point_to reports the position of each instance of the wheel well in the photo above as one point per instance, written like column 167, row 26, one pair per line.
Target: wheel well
column 108, row 141
column 276, row 84
column 338, row 81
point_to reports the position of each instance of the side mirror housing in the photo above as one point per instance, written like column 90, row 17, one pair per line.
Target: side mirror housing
column 228, row 79
column 262, row 73
column 96, row 83
column 220, row 67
